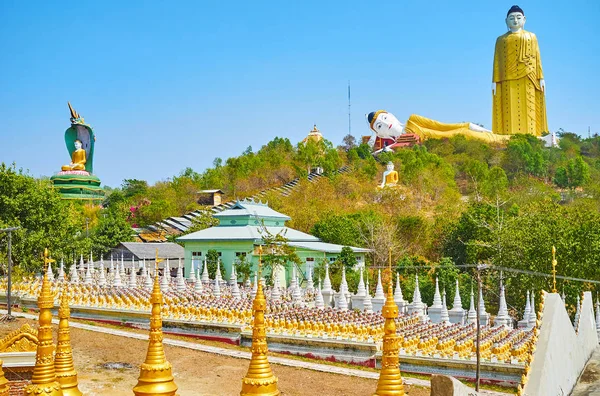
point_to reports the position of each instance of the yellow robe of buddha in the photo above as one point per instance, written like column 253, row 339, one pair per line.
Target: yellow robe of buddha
column 427, row 128
column 519, row 104
column 78, row 159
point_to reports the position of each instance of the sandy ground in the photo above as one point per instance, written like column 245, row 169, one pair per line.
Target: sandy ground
column 196, row 373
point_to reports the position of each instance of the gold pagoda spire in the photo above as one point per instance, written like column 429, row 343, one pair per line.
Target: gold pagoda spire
column 155, row 373
column 259, row 379
column 43, row 380
column 390, row 379
column 4, row 385
column 63, row 359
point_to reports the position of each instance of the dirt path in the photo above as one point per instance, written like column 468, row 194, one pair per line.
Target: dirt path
column 196, row 373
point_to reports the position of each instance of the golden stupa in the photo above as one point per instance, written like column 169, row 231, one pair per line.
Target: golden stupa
column 390, row 379
column 155, row 373
column 43, row 380
column 4, row 385
column 259, row 379
column 63, row 359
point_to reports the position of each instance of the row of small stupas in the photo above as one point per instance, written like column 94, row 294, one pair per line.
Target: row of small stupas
column 313, row 312
column 54, row 373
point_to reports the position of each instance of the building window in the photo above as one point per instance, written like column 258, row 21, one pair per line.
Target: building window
column 332, row 259
column 196, row 254
column 240, row 254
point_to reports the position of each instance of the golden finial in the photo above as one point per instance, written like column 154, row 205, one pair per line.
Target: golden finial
column 43, row 380
column 63, row 359
column 155, row 373
column 390, row 379
column 554, row 263
column 4, row 385
column 260, row 379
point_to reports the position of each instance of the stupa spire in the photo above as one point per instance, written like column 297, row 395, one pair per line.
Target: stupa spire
column 74, row 273
column 445, row 318
column 198, row 287
column 361, row 285
column 43, row 380
column 502, row 318
column 61, row 270
column 63, row 359
column 379, row 294
column 192, row 275
column 398, row 297
column 117, row 277
column 390, row 379
column 259, row 379
column 50, row 273
column 319, row 301
column 155, row 373
column 4, row 384
column 205, row 277
column 180, row 278
column 437, row 298
column 327, row 281
column 367, row 303
column 457, row 304
column 472, row 314
column 417, row 292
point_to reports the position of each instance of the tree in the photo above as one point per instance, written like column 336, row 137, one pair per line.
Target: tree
column 276, row 252
column 46, row 220
column 348, row 143
column 575, row 174
column 112, row 229
column 212, row 258
column 347, row 258
column 134, row 187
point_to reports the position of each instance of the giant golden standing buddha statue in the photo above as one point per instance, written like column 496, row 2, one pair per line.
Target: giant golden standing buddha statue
column 519, row 104
column 518, row 86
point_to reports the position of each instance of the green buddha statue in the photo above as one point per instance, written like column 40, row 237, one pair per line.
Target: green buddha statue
column 76, row 180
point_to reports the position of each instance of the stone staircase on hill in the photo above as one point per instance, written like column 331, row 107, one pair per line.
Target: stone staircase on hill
column 177, row 225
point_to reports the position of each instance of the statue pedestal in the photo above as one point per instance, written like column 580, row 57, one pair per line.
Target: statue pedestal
column 457, row 316
column 435, row 314
column 377, row 303
column 327, row 297
column 484, row 319
column 523, row 324
column 358, row 302
column 78, row 185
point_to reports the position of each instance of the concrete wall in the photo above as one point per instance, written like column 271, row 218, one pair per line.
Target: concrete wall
column 561, row 354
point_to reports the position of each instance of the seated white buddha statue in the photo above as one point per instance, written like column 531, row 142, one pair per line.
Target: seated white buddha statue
column 390, row 176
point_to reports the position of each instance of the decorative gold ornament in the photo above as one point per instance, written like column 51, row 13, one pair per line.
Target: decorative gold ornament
column 260, row 379
column 20, row 340
column 4, row 384
column 63, row 359
column 390, row 379
column 43, row 380
column 155, row 373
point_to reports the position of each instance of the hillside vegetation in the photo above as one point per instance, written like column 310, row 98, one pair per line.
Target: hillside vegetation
column 458, row 202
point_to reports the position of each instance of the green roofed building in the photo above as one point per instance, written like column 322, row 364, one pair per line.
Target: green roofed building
column 240, row 232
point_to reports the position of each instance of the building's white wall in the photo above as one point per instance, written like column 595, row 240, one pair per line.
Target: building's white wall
column 561, row 354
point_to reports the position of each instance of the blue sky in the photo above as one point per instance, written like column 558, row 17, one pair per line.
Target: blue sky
column 169, row 85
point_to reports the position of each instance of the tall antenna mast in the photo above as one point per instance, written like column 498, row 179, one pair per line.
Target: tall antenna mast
column 349, row 119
